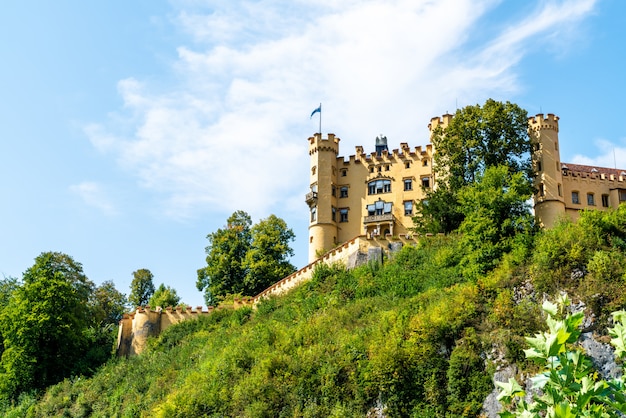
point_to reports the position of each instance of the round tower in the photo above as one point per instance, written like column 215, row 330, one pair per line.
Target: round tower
column 322, row 197
column 546, row 160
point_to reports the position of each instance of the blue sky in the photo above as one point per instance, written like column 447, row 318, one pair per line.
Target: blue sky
column 131, row 130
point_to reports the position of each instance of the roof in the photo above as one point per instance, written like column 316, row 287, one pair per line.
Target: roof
column 593, row 169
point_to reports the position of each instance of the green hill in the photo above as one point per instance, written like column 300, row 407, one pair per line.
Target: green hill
column 414, row 336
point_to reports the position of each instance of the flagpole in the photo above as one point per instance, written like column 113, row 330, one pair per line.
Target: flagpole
column 320, row 120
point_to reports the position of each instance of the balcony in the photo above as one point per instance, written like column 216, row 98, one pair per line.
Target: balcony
column 387, row 217
column 311, row 198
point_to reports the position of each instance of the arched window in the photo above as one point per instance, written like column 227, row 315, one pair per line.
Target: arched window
column 379, row 186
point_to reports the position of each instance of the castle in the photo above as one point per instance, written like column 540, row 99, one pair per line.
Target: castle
column 363, row 204
column 374, row 194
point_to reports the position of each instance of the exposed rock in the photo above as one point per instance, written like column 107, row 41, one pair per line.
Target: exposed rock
column 491, row 405
column 602, row 355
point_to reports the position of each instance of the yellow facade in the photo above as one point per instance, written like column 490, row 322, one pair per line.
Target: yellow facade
column 370, row 194
column 564, row 189
column 374, row 193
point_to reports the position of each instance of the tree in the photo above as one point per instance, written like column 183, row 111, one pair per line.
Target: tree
column 267, row 260
column 46, row 330
column 476, row 138
column 245, row 259
column 141, row 288
column 108, row 304
column 164, row 296
column 496, row 214
column 225, row 271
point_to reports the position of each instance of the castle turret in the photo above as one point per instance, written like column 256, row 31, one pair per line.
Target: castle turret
column 546, row 160
column 322, row 197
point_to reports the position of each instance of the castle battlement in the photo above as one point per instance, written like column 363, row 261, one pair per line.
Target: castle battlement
column 136, row 327
column 317, row 143
column 551, row 122
column 439, row 121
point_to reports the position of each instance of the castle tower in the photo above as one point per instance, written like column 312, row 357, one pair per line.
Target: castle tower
column 546, row 160
column 322, row 197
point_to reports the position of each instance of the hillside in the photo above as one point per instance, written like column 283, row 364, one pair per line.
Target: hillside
column 416, row 336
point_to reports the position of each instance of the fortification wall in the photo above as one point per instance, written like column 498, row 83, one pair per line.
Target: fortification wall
column 351, row 254
column 135, row 328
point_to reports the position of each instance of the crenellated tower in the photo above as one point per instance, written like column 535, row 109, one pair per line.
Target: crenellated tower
column 546, row 160
column 322, row 197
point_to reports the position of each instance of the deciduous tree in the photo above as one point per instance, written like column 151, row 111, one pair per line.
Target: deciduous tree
column 245, row 259
column 225, row 271
column 164, row 296
column 108, row 304
column 46, row 330
column 141, row 288
column 267, row 261
column 476, row 138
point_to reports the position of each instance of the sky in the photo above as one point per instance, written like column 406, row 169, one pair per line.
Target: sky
column 129, row 130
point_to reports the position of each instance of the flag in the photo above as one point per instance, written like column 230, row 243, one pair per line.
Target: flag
column 319, row 109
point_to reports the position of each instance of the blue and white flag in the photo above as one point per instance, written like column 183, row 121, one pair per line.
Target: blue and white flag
column 319, row 109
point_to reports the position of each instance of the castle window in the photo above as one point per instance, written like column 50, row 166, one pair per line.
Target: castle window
column 343, row 215
column 333, row 190
column 605, row 200
column 426, row 182
column 313, row 169
column 425, row 163
column 314, row 187
column 560, row 189
column 334, row 213
column 387, row 167
column 380, row 169
column 371, row 169
column 379, row 208
column 311, row 240
column 575, row 198
column 591, row 201
column 622, row 196
column 343, row 191
column 379, row 186
column 542, row 190
column 538, row 165
column 556, row 146
column 407, row 165
column 344, row 172
column 408, row 185
column 408, row 208
column 313, row 214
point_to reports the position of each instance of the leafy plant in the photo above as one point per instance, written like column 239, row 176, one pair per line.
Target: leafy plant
column 568, row 383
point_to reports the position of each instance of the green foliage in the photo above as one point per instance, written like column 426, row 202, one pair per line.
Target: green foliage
column 164, row 296
column 45, row 331
column 267, row 261
column 245, row 259
column 107, row 304
column 476, row 139
column 407, row 337
column 569, row 385
column 583, row 257
column 141, row 288
column 496, row 214
column 468, row 380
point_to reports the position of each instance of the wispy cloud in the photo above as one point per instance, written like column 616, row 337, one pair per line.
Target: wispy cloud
column 231, row 135
column 608, row 154
column 94, row 195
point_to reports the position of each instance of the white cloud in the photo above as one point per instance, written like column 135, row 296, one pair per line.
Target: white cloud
column 232, row 134
column 607, row 155
column 94, row 195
